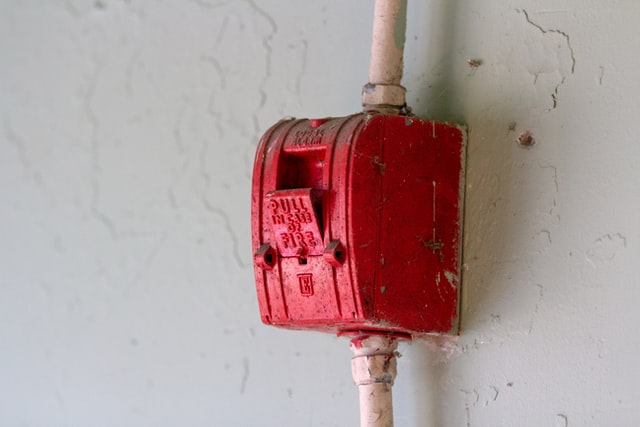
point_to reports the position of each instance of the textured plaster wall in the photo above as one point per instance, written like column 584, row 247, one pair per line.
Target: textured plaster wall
column 127, row 132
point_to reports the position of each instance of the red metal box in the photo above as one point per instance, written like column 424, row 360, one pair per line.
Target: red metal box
column 357, row 224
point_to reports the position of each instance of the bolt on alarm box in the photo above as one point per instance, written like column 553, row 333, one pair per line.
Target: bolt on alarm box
column 357, row 224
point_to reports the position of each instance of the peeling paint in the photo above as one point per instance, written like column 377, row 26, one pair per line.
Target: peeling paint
column 452, row 278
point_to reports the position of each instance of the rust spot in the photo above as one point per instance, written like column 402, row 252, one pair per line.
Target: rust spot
column 434, row 245
column 474, row 63
column 385, row 366
column 375, row 160
column 526, row 139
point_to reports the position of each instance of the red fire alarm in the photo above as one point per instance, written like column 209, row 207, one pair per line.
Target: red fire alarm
column 357, row 224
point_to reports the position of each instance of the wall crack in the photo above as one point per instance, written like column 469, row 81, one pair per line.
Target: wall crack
column 554, row 93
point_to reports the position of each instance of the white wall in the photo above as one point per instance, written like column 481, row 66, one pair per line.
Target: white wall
column 127, row 132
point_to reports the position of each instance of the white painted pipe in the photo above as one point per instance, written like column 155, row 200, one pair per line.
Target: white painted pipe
column 374, row 369
column 387, row 46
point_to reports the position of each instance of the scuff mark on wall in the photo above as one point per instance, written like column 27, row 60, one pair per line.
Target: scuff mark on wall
column 245, row 375
column 128, row 82
column 600, row 74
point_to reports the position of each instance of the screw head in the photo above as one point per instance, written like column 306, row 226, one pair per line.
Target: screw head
column 335, row 253
column 526, row 139
column 265, row 257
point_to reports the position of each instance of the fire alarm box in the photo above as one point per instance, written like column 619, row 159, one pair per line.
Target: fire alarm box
column 357, row 224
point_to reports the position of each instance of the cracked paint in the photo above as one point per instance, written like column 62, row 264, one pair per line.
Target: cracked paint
column 534, row 315
column 266, row 44
column 562, row 420
column 554, row 95
column 600, row 75
column 472, row 397
column 94, row 122
column 599, row 259
column 245, row 375
column 549, row 59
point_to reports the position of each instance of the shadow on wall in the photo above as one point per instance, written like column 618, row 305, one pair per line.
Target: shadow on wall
column 510, row 194
column 436, row 97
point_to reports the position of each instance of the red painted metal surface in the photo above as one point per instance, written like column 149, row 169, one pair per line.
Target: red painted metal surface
column 357, row 224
